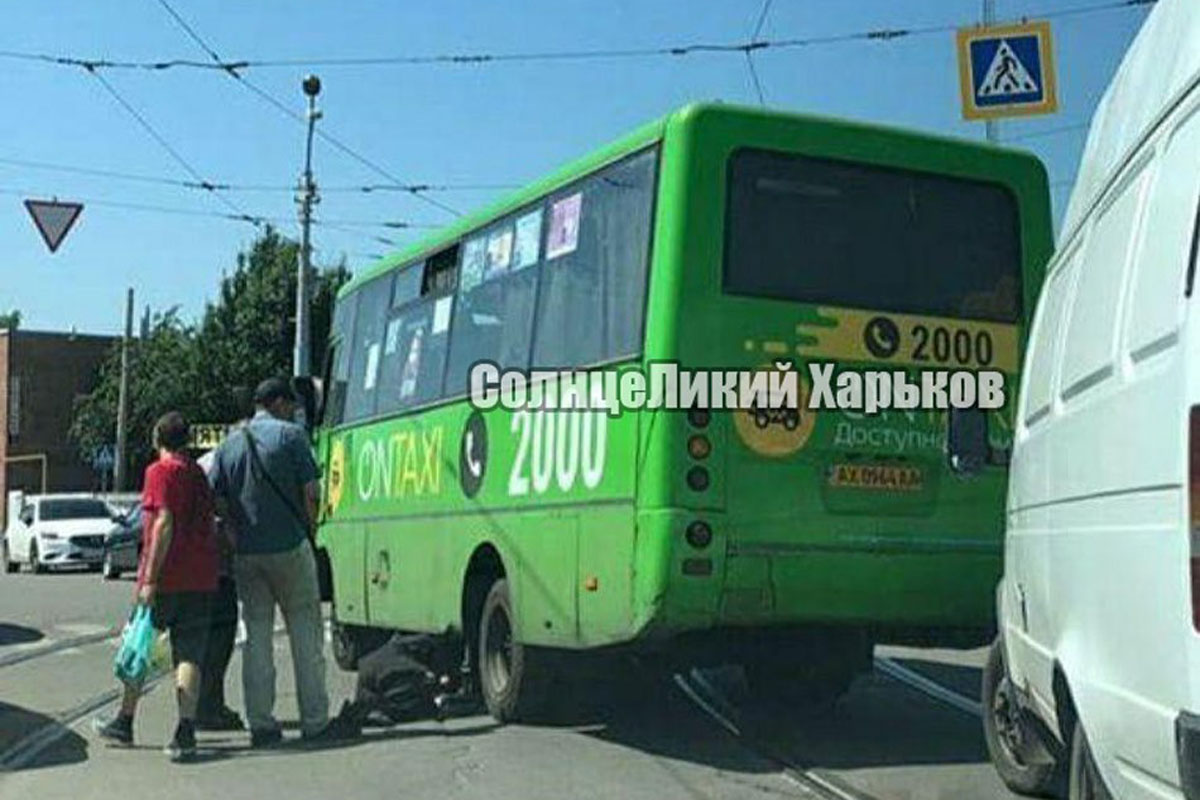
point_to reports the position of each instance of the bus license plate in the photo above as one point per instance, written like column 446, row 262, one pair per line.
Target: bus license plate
column 877, row 476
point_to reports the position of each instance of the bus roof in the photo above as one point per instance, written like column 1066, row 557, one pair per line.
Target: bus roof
column 641, row 137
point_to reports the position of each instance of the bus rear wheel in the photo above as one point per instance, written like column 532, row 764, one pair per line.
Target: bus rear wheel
column 513, row 677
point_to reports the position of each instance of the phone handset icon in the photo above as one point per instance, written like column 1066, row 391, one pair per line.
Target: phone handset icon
column 472, row 460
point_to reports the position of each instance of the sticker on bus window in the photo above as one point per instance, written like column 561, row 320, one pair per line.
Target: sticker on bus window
column 474, row 261
column 372, row 367
column 563, row 236
column 393, row 336
column 412, row 365
column 499, row 254
column 528, row 242
column 441, row 314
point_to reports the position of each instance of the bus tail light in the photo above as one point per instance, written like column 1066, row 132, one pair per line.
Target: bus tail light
column 698, row 535
column 698, row 417
column 699, row 447
column 1194, row 510
column 697, row 479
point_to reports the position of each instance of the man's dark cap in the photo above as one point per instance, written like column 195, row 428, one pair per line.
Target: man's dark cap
column 273, row 389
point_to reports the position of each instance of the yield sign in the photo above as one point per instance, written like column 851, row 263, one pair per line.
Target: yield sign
column 53, row 219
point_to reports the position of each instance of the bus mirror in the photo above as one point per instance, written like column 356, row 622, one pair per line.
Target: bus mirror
column 967, row 448
column 307, row 391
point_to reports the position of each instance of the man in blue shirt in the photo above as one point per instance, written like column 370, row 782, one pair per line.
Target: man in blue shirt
column 265, row 475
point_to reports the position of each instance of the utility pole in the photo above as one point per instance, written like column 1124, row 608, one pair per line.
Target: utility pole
column 307, row 198
column 123, row 398
column 989, row 18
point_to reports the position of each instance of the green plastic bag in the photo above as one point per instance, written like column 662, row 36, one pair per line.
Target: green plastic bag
column 132, row 663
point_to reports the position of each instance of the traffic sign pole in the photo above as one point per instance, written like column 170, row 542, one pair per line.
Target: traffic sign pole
column 119, row 475
column 991, row 126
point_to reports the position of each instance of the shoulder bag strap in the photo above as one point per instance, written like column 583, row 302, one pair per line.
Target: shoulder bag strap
column 261, row 469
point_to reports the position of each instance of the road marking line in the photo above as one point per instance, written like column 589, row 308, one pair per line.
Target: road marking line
column 929, row 687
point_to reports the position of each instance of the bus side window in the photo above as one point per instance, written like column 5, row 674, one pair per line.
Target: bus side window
column 338, row 368
column 493, row 314
column 366, row 347
column 416, row 336
column 593, row 292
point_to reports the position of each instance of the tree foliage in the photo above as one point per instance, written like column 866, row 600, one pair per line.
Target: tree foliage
column 10, row 320
column 207, row 370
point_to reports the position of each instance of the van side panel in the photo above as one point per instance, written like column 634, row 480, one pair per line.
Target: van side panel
column 1099, row 546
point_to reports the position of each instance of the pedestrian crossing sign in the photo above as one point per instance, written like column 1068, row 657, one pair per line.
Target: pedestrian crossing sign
column 1007, row 71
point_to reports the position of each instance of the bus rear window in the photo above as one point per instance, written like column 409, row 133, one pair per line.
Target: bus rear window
column 861, row 236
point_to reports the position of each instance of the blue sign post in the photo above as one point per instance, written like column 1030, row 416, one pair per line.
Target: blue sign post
column 104, row 459
column 1007, row 71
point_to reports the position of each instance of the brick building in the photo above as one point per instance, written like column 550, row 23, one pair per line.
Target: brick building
column 41, row 374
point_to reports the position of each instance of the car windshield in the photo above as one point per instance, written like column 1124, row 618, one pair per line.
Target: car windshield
column 80, row 508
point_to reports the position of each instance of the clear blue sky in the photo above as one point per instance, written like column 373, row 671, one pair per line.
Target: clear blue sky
column 491, row 124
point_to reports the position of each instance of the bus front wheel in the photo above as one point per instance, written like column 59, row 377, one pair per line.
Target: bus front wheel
column 512, row 676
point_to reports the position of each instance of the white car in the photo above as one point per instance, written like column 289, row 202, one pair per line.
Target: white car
column 57, row 530
column 1095, row 676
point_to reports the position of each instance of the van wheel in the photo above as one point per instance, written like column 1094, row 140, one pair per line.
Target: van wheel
column 10, row 566
column 35, row 565
column 1085, row 782
column 111, row 573
column 1019, row 756
column 514, row 677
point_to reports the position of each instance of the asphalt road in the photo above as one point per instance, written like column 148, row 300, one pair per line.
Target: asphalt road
column 696, row 736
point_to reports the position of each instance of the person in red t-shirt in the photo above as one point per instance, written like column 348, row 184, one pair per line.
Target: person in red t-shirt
column 177, row 576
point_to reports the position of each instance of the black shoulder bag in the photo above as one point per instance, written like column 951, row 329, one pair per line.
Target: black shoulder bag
column 324, row 574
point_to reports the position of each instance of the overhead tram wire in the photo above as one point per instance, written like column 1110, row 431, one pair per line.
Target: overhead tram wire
column 353, row 227
column 762, row 19
column 159, row 209
column 179, row 159
column 250, row 187
column 238, row 68
column 235, row 73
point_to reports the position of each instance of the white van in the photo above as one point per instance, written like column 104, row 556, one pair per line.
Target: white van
column 1096, row 673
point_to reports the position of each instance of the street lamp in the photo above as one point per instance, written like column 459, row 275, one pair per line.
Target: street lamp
column 307, row 198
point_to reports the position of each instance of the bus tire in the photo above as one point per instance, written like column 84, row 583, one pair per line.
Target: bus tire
column 1022, row 761
column 513, row 677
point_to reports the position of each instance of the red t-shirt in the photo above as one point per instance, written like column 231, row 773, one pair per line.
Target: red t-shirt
column 177, row 484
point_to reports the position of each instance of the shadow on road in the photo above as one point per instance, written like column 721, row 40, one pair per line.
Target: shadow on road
column 878, row 723
column 18, row 724
column 18, row 634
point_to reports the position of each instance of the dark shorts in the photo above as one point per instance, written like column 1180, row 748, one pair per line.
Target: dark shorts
column 187, row 617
